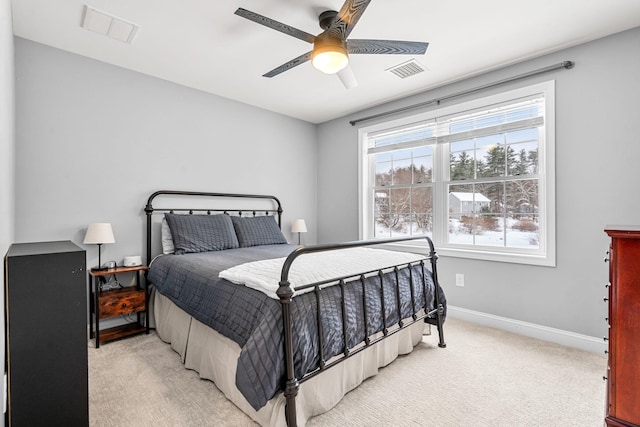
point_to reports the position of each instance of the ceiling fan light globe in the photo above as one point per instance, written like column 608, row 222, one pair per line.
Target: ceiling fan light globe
column 330, row 61
column 329, row 54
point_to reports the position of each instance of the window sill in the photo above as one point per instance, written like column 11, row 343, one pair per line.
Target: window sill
column 482, row 255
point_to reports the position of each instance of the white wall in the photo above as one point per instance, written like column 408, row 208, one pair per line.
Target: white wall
column 597, row 161
column 6, row 147
column 94, row 141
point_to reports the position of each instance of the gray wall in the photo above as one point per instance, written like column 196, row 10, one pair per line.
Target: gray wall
column 6, row 147
column 94, row 140
column 597, row 164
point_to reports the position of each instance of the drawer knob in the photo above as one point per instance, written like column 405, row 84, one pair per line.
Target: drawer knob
column 604, row 378
column 605, row 299
column 606, row 339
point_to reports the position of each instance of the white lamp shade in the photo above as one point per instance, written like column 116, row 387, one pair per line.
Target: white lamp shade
column 299, row 226
column 99, row 233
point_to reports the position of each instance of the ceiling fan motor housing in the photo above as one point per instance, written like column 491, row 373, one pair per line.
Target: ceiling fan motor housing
column 327, row 18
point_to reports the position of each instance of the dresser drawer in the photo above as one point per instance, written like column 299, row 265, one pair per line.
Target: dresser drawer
column 121, row 301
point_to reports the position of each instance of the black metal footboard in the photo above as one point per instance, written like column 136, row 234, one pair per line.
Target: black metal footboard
column 286, row 293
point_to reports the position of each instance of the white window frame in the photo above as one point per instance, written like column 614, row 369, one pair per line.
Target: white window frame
column 545, row 255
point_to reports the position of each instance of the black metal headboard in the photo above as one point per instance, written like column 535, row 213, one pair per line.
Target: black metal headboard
column 150, row 210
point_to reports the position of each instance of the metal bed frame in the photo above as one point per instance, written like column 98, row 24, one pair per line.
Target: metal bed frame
column 286, row 292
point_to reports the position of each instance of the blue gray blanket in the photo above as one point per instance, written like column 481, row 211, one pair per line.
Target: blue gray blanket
column 254, row 321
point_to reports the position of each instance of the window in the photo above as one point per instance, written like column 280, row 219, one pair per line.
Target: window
column 477, row 177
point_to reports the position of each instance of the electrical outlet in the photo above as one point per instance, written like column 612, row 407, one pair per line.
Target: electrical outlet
column 459, row 279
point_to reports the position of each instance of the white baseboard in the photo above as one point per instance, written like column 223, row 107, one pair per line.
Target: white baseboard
column 558, row 336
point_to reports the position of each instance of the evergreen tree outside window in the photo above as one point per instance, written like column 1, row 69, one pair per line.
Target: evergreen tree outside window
column 477, row 177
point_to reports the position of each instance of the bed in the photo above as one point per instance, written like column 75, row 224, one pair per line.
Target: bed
column 283, row 330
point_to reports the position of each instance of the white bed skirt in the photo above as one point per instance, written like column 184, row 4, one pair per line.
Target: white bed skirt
column 215, row 356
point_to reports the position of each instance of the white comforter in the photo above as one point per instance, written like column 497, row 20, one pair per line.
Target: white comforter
column 315, row 267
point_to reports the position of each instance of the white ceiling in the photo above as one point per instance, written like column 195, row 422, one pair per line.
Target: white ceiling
column 203, row 45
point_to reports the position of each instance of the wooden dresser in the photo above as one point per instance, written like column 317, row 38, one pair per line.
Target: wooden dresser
column 623, row 377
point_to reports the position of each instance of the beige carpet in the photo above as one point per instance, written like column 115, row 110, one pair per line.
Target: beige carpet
column 485, row 377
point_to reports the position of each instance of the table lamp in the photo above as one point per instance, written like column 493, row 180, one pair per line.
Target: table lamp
column 98, row 234
column 299, row 227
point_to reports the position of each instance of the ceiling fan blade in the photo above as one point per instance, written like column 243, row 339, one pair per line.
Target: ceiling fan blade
column 377, row 47
column 289, row 65
column 273, row 24
column 348, row 17
column 347, row 77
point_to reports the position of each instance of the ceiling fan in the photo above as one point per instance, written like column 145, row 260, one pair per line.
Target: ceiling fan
column 331, row 48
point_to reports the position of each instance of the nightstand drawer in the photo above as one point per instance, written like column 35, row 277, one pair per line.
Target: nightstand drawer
column 121, row 301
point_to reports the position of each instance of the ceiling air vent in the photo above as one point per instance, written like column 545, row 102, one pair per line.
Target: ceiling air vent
column 108, row 25
column 407, row 69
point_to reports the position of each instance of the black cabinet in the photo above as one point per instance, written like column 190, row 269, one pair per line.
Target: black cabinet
column 46, row 335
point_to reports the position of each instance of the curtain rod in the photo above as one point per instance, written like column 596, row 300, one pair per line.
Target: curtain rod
column 565, row 64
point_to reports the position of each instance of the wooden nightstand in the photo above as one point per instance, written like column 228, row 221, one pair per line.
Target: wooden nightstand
column 115, row 302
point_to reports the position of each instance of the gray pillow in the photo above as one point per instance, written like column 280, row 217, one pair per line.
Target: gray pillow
column 201, row 233
column 257, row 231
